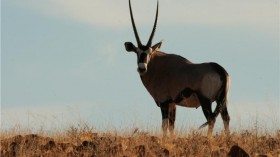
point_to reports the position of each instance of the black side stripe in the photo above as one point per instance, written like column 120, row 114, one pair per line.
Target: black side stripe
column 184, row 94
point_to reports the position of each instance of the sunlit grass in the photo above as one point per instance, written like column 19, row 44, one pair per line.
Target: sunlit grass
column 83, row 140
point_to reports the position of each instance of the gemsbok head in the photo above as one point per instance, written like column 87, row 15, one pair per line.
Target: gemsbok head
column 173, row 80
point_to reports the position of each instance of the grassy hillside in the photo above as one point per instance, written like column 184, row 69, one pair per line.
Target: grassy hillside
column 84, row 141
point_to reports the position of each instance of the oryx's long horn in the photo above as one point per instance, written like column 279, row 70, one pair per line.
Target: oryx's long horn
column 149, row 44
column 134, row 27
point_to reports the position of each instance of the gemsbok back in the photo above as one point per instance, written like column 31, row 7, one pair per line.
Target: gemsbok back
column 173, row 80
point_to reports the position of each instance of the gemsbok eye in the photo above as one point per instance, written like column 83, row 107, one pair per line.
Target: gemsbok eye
column 173, row 80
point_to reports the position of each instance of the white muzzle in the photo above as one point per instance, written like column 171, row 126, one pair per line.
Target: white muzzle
column 142, row 68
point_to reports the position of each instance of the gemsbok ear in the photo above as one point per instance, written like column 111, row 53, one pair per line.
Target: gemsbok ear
column 157, row 46
column 129, row 47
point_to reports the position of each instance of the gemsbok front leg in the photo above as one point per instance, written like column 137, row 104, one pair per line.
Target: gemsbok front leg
column 172, row 117
column 164, row 107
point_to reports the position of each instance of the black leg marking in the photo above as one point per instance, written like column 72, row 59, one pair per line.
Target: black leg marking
column 206, row 107
column 225, row 115
column 142, row 57
column 164, row 110
column 168, row 112
column 226, row 119
column 207, row 110
column 172, row 115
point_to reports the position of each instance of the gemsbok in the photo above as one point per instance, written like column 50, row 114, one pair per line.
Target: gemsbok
column 173, row 80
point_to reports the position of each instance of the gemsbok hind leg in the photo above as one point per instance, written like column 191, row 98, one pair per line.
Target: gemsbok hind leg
column 226, row 119
column 164, row 107
column 172, row 116
column 206, row 105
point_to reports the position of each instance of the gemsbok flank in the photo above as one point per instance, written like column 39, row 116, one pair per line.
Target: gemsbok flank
column 173, row 80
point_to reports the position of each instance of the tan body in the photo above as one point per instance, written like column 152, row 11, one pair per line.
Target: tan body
column 179, row 73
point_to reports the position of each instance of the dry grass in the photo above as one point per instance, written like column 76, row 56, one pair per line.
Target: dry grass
column 84, row 141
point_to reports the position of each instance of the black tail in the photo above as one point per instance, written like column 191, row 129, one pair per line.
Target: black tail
column 223, row 96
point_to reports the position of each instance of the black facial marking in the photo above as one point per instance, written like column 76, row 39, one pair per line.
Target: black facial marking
column 140, row 70
column 142, row 57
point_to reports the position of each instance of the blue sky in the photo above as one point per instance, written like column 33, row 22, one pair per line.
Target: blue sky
column 63, row 62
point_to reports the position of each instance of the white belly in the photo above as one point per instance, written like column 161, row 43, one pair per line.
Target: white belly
column 191, row 101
